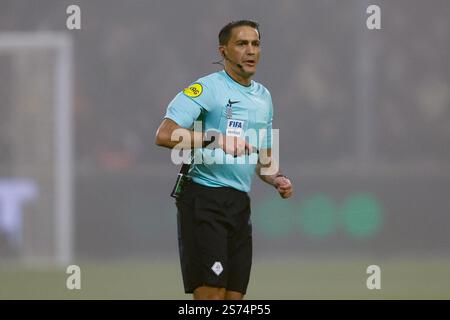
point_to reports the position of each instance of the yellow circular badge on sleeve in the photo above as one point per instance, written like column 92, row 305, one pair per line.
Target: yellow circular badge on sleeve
column 194, row 90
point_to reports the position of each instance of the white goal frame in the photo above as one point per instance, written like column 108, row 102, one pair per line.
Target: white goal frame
column 63, row 139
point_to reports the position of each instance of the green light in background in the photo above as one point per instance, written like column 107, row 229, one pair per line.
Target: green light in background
column 273, row 217
column 318, row 216
column 362, row 215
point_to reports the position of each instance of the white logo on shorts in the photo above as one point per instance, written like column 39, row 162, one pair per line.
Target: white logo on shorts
column 217, row 268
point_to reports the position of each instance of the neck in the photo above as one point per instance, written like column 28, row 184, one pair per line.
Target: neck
column 245, row 81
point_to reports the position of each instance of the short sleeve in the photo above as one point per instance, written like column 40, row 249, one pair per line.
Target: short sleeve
column 187, row 105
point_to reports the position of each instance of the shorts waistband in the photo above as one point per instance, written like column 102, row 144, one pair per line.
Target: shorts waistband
column 218, row 189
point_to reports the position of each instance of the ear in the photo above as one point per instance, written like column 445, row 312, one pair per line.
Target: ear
column 222, row 51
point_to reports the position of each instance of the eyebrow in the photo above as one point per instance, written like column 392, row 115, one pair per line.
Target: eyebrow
column 246, row 41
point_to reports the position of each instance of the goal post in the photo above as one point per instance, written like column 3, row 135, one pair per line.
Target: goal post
column 38, row 120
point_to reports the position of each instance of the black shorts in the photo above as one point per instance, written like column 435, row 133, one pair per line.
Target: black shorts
column 214, row 237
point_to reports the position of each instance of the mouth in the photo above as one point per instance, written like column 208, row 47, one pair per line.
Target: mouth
column 250, row 62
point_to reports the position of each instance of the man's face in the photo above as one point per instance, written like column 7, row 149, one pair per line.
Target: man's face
column 243, row 48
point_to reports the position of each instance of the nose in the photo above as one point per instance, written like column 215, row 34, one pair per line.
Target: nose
column 251, row 50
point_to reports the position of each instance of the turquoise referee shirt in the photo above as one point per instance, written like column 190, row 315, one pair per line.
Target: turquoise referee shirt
column 223, row 104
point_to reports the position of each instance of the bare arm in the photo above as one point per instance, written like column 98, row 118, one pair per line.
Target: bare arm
column 268, row 171
column 171, row 135
column 265, row 161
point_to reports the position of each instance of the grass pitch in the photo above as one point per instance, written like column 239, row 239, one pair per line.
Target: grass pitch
column 308, row 277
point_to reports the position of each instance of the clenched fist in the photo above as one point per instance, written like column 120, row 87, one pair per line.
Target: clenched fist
column 284, row 186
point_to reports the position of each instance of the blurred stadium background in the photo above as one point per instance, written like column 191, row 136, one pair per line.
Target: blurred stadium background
column 364, row 119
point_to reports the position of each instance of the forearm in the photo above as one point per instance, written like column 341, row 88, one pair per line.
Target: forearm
column 275, row 178
column 184, row 139
column 170, row 135
column 267, row 178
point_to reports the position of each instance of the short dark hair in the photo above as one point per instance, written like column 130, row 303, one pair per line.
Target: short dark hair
column 225, row 33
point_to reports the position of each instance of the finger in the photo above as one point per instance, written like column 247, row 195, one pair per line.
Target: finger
column 283, row 180
column 240, row 150
column 286, row 194
column 284, row 187
column 282, row 190
column 249, row 148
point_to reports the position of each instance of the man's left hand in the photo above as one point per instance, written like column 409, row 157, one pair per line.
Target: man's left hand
column 284, row 187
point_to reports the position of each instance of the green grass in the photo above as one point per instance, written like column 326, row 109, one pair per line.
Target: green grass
column 308, row 277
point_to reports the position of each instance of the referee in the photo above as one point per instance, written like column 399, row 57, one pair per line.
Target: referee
column 214, row 227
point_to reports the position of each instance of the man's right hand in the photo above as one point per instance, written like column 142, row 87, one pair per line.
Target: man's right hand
column 235, row 145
